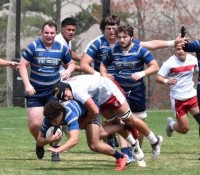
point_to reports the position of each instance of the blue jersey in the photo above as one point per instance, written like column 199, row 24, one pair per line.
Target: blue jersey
column 127, row 63
column 97, row 49
column 74, row 111
column 194, row 47
column 45, row 63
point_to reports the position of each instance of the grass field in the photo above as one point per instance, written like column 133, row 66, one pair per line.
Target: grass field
column 179, row 154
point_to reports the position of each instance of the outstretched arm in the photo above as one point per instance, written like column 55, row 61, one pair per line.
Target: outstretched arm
column 160, row 44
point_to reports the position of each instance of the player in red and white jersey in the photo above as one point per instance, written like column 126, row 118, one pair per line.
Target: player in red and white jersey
column 178, row 72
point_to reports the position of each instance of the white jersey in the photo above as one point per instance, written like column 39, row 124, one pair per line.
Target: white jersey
column 183, row 72
column 61, row 40
column 100, row 89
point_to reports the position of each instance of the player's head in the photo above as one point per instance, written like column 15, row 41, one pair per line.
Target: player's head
column 49, row 23
column 111, row 20
column 68, row 28
column 180, row 53
column 60, row 91
column 125, row 34
column 54, row 112
column 48, row 32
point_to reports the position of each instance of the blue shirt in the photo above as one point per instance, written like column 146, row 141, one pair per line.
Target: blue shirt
column 127, row 63
column 45, row 63
column 74, row 110
column 194, row 46
column 97, row 49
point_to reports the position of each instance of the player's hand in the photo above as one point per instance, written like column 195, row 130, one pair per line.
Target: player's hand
column 29, row 90
column 138, row 75
column 54, row 150
column 65, row 74
column 110, row 76
column 14, row 65
column 180, row 40
column 172, row 81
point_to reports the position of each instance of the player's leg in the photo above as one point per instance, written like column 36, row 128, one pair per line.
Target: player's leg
column 94, row 143
column 35, row 118
column 125, row 114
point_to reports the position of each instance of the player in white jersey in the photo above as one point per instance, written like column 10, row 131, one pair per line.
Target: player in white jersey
column 91, row 90
column 68, row 30
column 177, row 72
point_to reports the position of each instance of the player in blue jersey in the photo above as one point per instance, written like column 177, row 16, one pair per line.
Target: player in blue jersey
column 194, row 46
column 129, row 59
column 44, row 57
column 69, row 113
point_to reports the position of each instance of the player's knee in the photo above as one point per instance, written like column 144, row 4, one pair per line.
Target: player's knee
column 126, row 115
column 93, row 146
column 184, row 129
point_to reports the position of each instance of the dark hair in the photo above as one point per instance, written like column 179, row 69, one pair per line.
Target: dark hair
column 109, row 20
column 128, row 29
column 68, row 21
column 59, row 90
column 50, row 23
column 52, row 110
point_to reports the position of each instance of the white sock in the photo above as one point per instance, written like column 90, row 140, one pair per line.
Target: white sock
column 130, row 139
column 171, row 124
column 152, row 138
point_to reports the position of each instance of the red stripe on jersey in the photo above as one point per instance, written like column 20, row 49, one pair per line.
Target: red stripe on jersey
column 182, row 69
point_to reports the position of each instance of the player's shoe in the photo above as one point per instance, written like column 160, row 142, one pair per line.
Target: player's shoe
column 156, row 148
column 137, row 152
column 121, row 163
column 168, row 128
column 131, row 159
column 39, row 150
column 141, row 163
column 55, row 157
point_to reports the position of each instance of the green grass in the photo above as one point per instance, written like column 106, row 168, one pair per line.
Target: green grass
column 179, row 154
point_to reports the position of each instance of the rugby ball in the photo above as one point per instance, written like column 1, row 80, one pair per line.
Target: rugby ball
column 54, row 130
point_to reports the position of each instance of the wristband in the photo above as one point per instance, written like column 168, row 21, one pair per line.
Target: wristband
column 171, row 43
column 166, row 81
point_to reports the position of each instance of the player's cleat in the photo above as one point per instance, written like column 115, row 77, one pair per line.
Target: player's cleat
column 131, row 159
column 156, row 148
column 141, row 163
column 121, row 163
column 137, row 152
column 55, row 157
column 39, row 150
column 168, row 128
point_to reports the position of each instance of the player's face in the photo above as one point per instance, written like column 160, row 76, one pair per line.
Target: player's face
column 125, row 40
column 68, row 32
column 57, row 121
column 48, row 35
column 180, row 53
column 109, row 32
column 68, row 94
